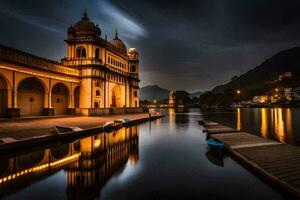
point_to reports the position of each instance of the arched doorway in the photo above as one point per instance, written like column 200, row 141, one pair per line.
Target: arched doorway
column 60, row 151
column 30, row 159
column 76, row 97
column 116, row 97
column 31, row 94
column 3, row 96
column 59, row 99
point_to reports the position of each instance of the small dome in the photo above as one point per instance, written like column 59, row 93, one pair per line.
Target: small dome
column 133, row 51
column 71, row 29
column 119, row 44
column 86, row 27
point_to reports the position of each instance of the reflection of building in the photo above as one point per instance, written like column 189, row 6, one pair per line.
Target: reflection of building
column 95, row 74
column 101, row 157
column 20, row 171
column 89, row 163
column 171, row 100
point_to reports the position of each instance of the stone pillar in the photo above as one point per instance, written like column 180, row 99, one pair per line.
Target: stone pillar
column 85, row 93
column 71, row 101
column 9, row 98
column 15, row 99
column 46, row 100
column 48, row 111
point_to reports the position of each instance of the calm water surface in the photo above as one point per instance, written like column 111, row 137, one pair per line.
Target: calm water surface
column 280, row 124
column 165, row 159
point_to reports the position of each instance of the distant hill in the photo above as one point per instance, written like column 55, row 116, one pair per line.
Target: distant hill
column 264, row 77
column 153, row 92
column 195, row 94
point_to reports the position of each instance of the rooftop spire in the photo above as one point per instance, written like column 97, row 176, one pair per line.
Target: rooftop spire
column 116, row 33
column 85, row 15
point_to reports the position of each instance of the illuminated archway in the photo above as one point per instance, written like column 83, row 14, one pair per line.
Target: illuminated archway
column 116, row 97
column 30, row 159
column 60, row 151
column 3, row 96
column 76, row 97
column 31, row 94
column 59, row 99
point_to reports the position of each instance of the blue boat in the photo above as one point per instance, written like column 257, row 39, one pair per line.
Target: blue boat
column 127, row 120
column 215, row 144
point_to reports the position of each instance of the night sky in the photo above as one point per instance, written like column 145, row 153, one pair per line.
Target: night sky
column 184, row 45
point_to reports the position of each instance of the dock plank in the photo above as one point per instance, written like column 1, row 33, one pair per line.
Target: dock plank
column 278, row 162
column 237, row 140
column 220, row 129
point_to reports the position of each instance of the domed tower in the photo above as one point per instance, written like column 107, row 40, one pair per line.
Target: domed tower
column 133, row 63
column 119, row 44
column 86, row 52
column 84, row 43
column 133, row 56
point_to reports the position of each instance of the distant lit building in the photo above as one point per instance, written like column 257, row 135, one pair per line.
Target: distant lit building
column 284, row 75
column 96, row 77
column 261, row 99
column 288, row 93
column 296, row 94
column 171, row 99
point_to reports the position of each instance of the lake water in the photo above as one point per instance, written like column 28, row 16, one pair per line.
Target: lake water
column 280, row 124
column 165, row 159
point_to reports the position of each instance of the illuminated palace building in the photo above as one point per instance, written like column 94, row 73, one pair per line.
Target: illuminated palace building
column 97, row 77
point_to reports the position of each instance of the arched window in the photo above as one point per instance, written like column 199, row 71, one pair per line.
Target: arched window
column 135, row 94
column 97, row 53
column 97, row 93
column 83, row 53
column 133, row 68
column 80, row 52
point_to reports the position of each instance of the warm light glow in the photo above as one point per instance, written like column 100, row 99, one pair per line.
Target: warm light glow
column 39, row 74
column 40, row 167
column 238, row 126
column 238, row 92
column 289, row 126
column 279, row 125
column 97, row 143
column 172, row 117
column 264, row 123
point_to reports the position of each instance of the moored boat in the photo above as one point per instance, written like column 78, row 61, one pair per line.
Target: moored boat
column 214, row 144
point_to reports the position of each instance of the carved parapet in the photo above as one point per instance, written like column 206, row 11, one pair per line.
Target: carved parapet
column 19, row 57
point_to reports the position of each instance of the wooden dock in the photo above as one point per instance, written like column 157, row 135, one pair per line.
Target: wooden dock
column 278, row 162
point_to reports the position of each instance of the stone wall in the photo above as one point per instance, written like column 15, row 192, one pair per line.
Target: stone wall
column 108, row 111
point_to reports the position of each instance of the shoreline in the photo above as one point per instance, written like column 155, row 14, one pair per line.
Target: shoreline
column 51, row 137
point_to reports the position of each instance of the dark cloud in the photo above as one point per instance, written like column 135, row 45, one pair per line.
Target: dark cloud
column 191, row 45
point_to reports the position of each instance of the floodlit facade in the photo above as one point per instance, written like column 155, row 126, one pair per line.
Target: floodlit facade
column 96, row 77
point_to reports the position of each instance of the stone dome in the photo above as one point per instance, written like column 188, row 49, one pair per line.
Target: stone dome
column 85, row 27
column 133, row 51
column 119, row 44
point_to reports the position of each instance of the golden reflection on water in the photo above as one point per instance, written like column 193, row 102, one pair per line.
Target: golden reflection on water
column 289, row 127
column 279, row 125
column 264, row 123
column 276, row 122
column 172, row 118
column 238, row 126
